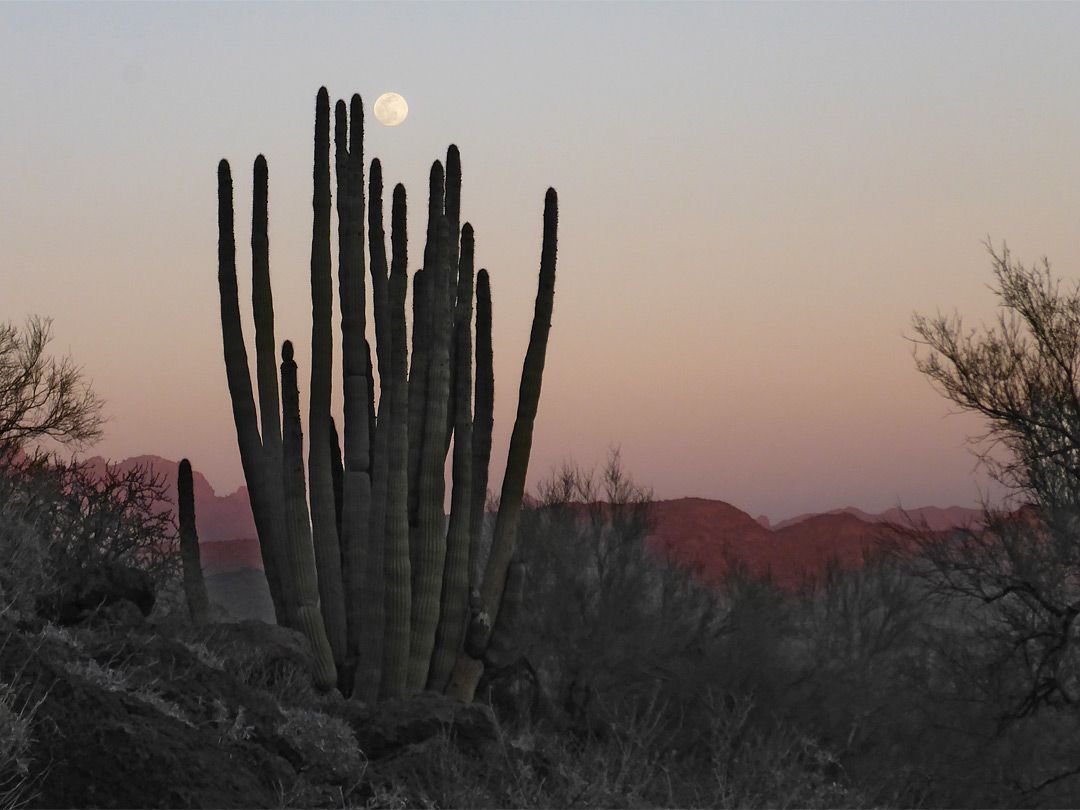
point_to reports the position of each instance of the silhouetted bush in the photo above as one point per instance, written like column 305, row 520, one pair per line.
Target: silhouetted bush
column 607, row 616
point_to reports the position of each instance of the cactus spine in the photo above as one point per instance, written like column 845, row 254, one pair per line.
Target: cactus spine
column 194, row 585
column 372, row 574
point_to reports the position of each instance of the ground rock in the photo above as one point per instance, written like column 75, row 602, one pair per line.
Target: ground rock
column 276, row 653
column 392, row 725
column 141, row 721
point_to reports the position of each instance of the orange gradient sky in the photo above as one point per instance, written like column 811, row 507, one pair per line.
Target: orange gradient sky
column 754, row 199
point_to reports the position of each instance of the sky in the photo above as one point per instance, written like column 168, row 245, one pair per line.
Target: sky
column 754, row 200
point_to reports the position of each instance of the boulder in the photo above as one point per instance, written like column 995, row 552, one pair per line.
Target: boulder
column 82, row 592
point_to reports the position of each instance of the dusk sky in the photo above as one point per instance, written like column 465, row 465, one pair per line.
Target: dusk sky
column 754, row 199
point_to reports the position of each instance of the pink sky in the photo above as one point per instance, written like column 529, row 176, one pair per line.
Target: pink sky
column 754, row 198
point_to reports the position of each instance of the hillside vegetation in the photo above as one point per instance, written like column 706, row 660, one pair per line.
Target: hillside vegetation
column 626, row 683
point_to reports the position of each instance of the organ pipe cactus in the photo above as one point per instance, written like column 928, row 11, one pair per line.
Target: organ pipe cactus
column 370, row 570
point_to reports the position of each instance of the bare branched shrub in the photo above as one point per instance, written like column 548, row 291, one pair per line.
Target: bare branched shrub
column 1007, row 596
column 1016, row 585
column 42, row 397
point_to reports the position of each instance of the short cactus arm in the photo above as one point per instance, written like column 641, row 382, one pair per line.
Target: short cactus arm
column 299, row 552
column 194, row 585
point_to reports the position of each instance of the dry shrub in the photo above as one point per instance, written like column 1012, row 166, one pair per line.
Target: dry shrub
column 57, row 515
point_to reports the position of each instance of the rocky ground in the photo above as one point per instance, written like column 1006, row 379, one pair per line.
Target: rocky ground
column 120, row 711
column 125, row 715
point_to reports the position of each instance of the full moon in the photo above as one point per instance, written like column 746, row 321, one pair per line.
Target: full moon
column 390, row 109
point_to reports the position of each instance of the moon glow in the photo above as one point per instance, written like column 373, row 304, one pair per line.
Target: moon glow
column 390, row 109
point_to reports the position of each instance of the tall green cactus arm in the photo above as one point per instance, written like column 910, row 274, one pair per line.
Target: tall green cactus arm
column 468, row 670
column 356, row 168
column 262, row 305
column 452, row 206
column 397, row 564
column 373, row 629
column 337, row 474
column 236, row 365
column 298, row 548
column 453, row 218
column 323, row 521
column 194, row 586
column 349, row 142
column 422, row 334
column 266, row 371
column 483, row 420
column 421, row 327
column 455, row 586
column 517, row 460
column 430, row 527
column 501, row 647
column 357, row 385
column 252, row 458
column 351, row 270
column 379, row 269
column 436, row 211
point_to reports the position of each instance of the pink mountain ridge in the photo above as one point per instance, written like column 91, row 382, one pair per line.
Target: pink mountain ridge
column 704, row 535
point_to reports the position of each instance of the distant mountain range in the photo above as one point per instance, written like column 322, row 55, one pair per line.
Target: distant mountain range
column 705, row 535
column 708, row 536
column 217, row 517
